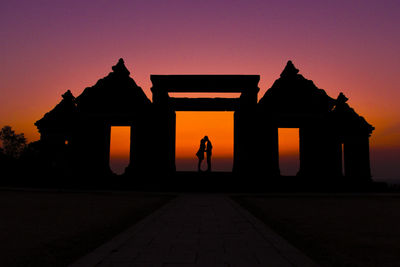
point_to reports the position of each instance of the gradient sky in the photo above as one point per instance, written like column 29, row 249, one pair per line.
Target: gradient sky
column 48, row 47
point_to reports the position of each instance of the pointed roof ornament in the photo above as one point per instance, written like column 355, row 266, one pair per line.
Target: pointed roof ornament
column 61, row 115
column 68, row 96
column 120, row 68
column 290, row 70
column 341, row 99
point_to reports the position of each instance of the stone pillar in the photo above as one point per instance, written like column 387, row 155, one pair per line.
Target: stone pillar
column 356, row 157
column 236, row 144
column 106, row 139
column 332, row 156
column 134, row 152
column 164, row 132
column 270, row 151
column 171, row 141
column 92, row 147
column 244, row 132
column 306, row 151
column 320, row 152
column 314, row 151
column 143, row 151
column 266, row 150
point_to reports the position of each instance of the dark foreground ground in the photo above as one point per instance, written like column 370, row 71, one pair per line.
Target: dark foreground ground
column 56, row 228
column 335, row 230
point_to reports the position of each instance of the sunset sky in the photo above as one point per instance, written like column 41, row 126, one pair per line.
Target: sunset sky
column 48, row 47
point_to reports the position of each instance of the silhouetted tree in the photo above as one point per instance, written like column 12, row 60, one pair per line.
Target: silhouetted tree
column 12, row 144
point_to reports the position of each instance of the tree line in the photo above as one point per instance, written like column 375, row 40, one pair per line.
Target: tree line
column 12, row 144
column 20, row 161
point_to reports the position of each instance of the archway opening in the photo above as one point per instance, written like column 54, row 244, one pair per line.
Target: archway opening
column 289, row 151
column 191, row 127
column 120, row 143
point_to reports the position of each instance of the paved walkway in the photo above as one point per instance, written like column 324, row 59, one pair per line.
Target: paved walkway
column 197, row 230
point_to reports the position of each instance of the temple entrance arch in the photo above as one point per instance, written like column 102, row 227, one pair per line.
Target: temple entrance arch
column 120, row 148
column 289, row 151
column 191, row 127
column 244, row 109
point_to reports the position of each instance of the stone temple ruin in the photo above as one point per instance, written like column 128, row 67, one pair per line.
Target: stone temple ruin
column 75, row 134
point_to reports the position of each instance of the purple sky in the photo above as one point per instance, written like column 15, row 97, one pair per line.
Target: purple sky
column 48, row 47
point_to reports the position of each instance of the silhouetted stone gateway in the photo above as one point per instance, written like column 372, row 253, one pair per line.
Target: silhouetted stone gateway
column 76, row 133
column 243, row 107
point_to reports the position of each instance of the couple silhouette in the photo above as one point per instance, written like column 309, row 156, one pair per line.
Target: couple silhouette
column 205, row 147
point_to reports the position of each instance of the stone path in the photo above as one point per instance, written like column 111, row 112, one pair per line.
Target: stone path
column 197, row 230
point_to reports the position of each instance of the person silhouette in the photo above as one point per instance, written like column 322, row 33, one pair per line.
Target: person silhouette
column 208, row 152
column 200, row 153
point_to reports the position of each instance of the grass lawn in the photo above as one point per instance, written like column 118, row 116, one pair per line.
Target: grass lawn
column 55, row 229
column 341, row 230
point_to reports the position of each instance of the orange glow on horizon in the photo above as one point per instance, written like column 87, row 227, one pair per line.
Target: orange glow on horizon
column 191, row 127
column 289, row 142
column 119, row 148
column 289, row 150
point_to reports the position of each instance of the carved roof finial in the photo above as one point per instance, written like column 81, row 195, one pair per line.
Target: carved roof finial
column 120, row 68
column 68, row 96
column 341, row 99
column 290, row 70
